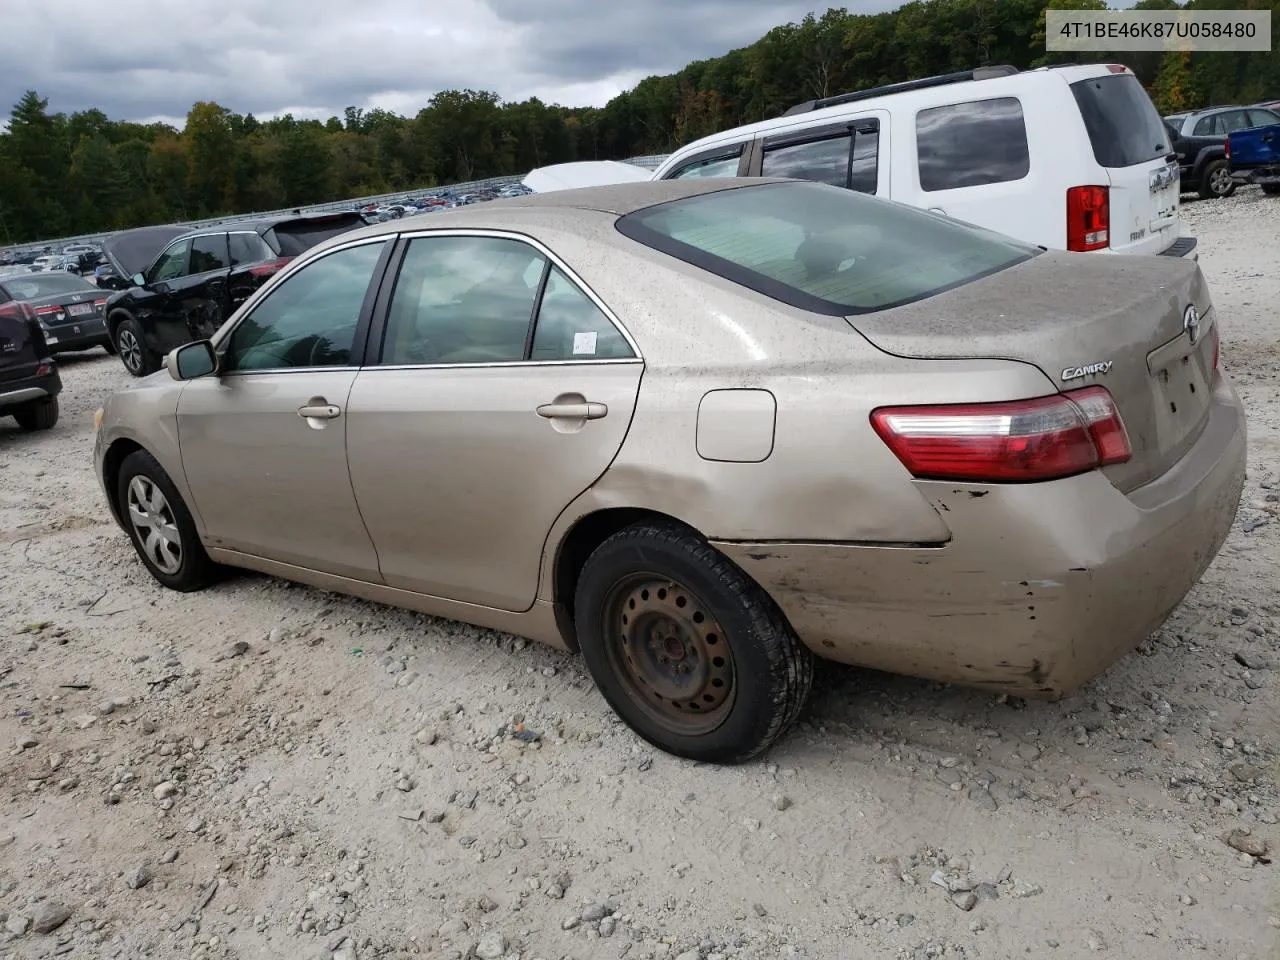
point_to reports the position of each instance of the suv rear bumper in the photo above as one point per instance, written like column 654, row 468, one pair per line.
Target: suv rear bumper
column 1269, row 175
column 17, row 393
column 1182, row 247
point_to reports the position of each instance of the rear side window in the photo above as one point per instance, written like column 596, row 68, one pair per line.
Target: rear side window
column 249, row 248
column 821, row 249
column 209, row 253
column 823, row 161
column 1205, row 126
column 1123, row 125
column 972, row 144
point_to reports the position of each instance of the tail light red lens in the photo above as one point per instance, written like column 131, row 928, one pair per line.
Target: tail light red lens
column 1019, row 441
column 1088, row 218
column 1226, row 145
column 270, row 267
column 100, row 302
column 46, row 311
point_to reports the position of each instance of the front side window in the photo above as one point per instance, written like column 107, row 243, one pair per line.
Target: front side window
column 463, row 300
column 172, row 264
column 1262, row 118
column 310, row 319
column 821, row 249
column 209, row 253
column 571, row 327
column 1234, row 120
column 709, row 167
column 972, row 144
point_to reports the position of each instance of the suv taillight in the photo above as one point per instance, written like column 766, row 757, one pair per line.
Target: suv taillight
column 1226, row 145
column 1088, row 218
column 1017, row 441
column 270, row 267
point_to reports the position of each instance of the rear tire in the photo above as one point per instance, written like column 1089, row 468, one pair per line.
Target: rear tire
column 160, row 525
column 132, row 348
column 1271, row 189
column 38, row 415
column 1216, row 182
column 695, row 657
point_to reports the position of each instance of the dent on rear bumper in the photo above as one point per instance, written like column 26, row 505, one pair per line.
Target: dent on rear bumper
column 1042, row 587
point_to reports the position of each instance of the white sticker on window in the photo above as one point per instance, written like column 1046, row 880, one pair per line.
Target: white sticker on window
column 584, row 342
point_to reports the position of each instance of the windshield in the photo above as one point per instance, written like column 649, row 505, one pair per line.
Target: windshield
column 32, row 286
column 1122, row 122
column 822, row 248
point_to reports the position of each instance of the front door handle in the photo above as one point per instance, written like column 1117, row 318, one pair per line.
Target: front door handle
column 318, row 409
column 573, row 411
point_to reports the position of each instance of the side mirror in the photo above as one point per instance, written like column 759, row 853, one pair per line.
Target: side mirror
column 138, row 280
column 191, row 360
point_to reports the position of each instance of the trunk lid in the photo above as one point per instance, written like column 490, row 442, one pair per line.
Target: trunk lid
column 1082, row 320
column 1131, row 143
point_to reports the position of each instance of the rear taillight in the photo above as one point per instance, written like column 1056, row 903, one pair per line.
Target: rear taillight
column 270, row 267
column 1018, row 441
column 100, row 302
column 1226, row 146
column 46, row 311
column 1088, row 218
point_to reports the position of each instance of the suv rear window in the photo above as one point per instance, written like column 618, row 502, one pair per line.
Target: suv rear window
column 822, row 248
column 296, row 237
column 1122, row 122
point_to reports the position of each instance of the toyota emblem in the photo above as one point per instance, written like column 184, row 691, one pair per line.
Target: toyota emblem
column 1191, row 322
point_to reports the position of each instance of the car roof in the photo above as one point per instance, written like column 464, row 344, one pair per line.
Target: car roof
column 906, row 99
column 261, row 225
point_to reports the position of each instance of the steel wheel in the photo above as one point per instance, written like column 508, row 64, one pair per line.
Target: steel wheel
column 154, row 524
column 130, row 350
column 671, row 652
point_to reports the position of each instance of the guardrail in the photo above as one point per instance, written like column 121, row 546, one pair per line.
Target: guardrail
column 649, row 162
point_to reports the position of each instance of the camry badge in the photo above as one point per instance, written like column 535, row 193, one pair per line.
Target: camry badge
column 1191, row 322
column 1088, row 370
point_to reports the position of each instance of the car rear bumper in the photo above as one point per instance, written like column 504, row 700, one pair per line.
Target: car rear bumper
column 17, row 393
column 66, row 337
column 1269, row 175
column 1041, row 587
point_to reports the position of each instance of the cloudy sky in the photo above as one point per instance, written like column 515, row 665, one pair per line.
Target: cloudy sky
column 151, row 59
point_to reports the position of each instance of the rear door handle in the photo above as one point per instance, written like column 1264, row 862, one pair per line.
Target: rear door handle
column 573, row 411
column 319, row 410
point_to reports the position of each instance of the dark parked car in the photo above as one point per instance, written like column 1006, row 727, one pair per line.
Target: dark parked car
column 29, row 380
column 71, row 311
column 202, row 276
column 1199, row 140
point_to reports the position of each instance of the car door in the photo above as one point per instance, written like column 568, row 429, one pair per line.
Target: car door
column 202, row 294
column 500, row 389
column 264, row 441
column 159, row 307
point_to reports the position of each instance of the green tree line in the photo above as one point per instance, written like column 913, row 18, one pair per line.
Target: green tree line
column 64, row 174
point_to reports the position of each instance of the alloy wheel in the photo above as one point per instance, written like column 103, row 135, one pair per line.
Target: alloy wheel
column 671, row 654
column 130, row 350
column 153, row 522
column 1220, row 181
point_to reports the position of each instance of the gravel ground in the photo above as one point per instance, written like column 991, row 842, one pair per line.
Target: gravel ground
column 264, row 770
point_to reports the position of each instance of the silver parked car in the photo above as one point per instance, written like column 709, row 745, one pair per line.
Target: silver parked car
column 703, row 431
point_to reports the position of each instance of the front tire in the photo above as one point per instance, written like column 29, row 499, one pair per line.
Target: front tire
column 38, row 415
column 1216, row 182
column 109, row 345
column 696, row 658
column 132, row 348
column 160, row 525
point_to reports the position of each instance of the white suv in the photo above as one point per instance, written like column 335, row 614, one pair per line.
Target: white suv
column 1071, row 158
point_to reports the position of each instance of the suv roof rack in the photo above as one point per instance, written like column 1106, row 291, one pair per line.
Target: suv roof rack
column 977, row 73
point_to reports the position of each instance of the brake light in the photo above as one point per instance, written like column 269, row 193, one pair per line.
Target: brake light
column 46, row 311
column 100, row 302
column 1088, row 218
column 270, row 267
column 1226, row 146
column 1019, row 441
column 1117, row 68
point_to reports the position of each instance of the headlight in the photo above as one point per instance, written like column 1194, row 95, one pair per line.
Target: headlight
column 97, row 419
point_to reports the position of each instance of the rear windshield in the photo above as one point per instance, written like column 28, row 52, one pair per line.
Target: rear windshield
column 823, row 248
column 1124, row 126
column 35, row 285
column 295, row 237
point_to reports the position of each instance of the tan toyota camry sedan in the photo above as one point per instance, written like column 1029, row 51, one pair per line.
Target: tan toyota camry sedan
column 703, row 432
